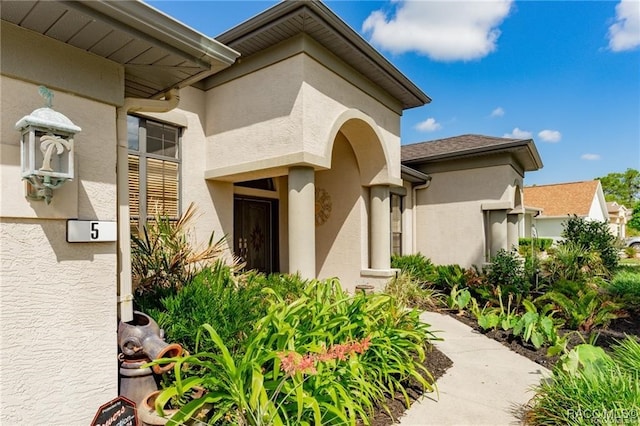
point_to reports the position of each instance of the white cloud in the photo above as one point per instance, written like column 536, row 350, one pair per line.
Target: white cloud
column 498, row 112
column 590, row 157
column 624, row 34
column 552, row 136
column 428, row 125
column 442, row 30
column 518, row 134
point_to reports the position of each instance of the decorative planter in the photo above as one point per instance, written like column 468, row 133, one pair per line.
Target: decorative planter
column 142, row 337
column 136, row 382
column 148, row 414
column 150, row 417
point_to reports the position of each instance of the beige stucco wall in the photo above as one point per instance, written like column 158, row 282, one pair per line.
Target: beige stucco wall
column 213, row 199
column 299, row 111
column 289, row 113
column 57, row 300
column 338, row 248
column 450, row 222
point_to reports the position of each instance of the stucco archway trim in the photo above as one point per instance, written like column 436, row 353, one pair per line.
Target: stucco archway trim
column 368, row 145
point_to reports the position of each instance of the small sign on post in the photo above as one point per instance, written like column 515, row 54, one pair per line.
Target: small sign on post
column 91, row 231
column 117, row 412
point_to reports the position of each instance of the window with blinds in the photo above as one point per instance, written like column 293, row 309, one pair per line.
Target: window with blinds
column 154, row 171
column 396, row 224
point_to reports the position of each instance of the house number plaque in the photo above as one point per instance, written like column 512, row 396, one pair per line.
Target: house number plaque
column 91, row 231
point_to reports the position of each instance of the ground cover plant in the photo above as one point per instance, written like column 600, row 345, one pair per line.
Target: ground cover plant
column 575, row 299
column 590, row 386
column 325, row 358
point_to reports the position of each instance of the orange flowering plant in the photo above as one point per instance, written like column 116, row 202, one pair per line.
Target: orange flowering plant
column 325, row 358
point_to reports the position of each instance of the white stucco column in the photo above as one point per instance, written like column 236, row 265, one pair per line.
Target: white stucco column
column 498, row 231
column 380, row 227
column 512, row 231
column 302, row 224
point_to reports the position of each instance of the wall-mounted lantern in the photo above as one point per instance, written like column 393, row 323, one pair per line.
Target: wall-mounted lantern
column 46, row 148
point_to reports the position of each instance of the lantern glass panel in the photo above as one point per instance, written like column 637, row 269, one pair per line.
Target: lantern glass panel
column 60, row 163
column 26, row 151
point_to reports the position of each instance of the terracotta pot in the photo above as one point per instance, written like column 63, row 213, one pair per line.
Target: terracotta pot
column 147, row 411
column 143, row 338
column 150, row 417
column 136, row 382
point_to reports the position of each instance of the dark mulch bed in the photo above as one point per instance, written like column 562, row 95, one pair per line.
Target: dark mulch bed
column 437, row 363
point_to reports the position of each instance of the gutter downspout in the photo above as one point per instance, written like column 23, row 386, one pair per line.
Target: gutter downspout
column 414, row 198
column 125, row 288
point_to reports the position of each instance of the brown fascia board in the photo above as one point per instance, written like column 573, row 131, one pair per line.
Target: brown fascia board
column 494, row 149
column 285, row 9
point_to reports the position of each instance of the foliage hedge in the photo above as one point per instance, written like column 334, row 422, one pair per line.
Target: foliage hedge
column 541, row 244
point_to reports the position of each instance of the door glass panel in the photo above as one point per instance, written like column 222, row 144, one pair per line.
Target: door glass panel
column 253, row 233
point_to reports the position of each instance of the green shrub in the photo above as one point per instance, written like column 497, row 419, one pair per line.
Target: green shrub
column 214, row 296
column 573, row 262
column 582, row 306
column 449, row 276
column 593, row 235
column 625, row 286
column 418, row 267
column 507, row 272
column 540, row 244
column 590, row 387
column 326, row 358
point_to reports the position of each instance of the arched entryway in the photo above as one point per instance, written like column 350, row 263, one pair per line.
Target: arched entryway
column 352, row 203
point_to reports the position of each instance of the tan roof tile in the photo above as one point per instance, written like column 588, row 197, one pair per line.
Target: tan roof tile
column 562, row 199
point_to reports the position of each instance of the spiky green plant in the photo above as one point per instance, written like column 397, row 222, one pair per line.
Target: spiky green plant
column 412, row 294
column 164, row 257
column 583, row 310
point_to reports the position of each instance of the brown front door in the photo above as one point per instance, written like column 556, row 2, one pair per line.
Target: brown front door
column 255, row 220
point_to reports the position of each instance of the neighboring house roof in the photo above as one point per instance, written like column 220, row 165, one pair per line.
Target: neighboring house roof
column 472, row 145
column 290, row 18
column 615, row 208
column 158, row 52
column 562, row 199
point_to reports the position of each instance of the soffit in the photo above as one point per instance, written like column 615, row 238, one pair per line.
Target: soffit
column 158, row 53
column 290, row 18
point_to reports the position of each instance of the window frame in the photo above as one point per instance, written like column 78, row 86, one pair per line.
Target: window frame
column 143, row 156
column 400, row 233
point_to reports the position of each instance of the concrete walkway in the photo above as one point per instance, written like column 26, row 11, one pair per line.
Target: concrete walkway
column 486, row 385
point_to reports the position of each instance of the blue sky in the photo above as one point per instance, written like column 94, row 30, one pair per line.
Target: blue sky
column 565, row 73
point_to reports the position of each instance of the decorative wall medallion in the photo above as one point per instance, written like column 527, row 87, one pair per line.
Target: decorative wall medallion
column 323, row 206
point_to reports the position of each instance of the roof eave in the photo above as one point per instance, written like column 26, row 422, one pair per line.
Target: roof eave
column 283, row 9
column 534, row 156
column 367, row 49
column 414, row 176
column 141, row 18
